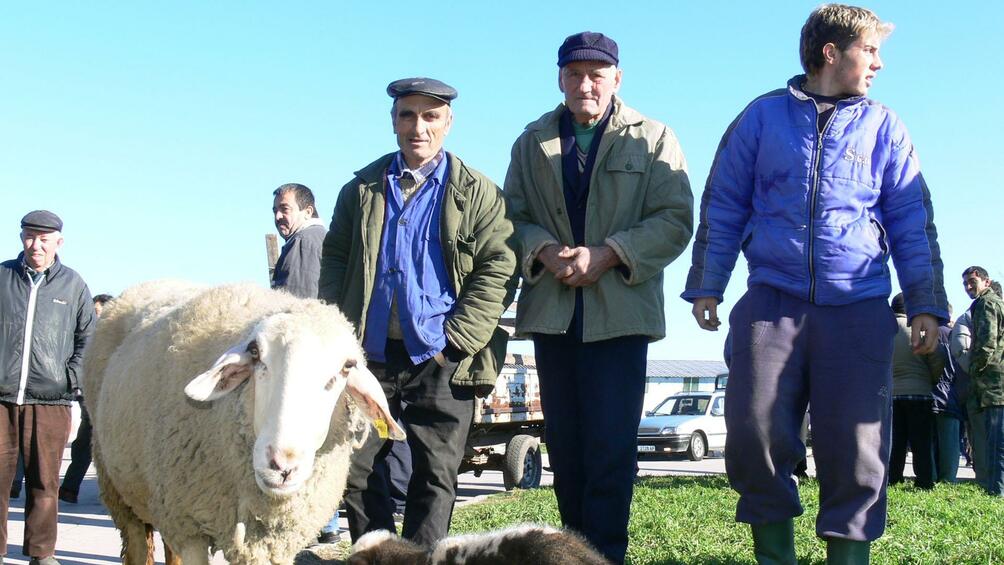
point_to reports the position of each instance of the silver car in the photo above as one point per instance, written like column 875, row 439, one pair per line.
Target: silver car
column 691, row 422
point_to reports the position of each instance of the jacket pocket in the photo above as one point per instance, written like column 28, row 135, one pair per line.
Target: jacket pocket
column 751, row 317
column 486, row 364
column 747, row 236
column 883, row 237
column 628, row 163
column 466, row 249
column 872, row 336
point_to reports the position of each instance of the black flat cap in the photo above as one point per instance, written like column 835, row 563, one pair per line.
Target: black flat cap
column 588, row 46
column 41, row 220
column 425, row 86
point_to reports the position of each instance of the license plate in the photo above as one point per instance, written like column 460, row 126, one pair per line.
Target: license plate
column 646, row 448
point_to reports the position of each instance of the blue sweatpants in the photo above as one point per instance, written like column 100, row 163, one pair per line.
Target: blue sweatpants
column 592, row 395
column 788, row 353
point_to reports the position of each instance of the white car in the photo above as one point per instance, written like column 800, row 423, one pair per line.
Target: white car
column 693, row 422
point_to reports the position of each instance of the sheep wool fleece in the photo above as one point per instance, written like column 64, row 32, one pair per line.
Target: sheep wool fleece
column 185, row 467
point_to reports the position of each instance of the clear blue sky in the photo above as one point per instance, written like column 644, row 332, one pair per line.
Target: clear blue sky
column 158, row 130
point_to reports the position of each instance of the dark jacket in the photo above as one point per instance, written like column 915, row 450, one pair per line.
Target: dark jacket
column 481, row 266
column 947, row 392
column 986, row 364
column 299, row 265
column 959, row 344
column 61, row 323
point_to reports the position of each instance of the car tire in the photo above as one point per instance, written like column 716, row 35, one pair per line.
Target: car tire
column 523, row 467
column 698, row 447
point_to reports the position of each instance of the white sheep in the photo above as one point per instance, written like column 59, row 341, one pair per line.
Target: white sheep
column 182, row 446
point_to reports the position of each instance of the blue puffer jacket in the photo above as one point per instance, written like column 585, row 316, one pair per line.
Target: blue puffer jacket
column 819, row 216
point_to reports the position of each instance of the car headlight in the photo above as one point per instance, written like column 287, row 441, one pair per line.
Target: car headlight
column 668, row 430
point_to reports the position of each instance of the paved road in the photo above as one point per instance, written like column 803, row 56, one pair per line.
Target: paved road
column 88, row 536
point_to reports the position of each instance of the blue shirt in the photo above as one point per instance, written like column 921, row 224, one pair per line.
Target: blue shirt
column 411, row 265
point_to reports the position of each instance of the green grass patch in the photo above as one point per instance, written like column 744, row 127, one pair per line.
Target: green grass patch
column 684, row 520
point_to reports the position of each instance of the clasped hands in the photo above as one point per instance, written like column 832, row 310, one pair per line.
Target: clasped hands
column 578, row 266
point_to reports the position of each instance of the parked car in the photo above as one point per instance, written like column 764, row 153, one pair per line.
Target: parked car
column 691, row 422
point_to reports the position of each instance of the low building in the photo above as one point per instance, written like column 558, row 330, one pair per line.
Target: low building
column 663, row 378
column 517, row 396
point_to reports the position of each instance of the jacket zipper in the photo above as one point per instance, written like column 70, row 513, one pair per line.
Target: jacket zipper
column 812, row 198
column 29, row 321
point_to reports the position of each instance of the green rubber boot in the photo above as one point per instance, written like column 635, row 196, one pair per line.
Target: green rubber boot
column 774, row 543
column 847, row 552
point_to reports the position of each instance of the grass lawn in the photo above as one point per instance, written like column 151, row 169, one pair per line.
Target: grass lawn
column 692, row 520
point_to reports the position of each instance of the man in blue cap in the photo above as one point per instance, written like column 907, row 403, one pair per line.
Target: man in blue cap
column 47, row 316
column 417, row 259
column 600, row 202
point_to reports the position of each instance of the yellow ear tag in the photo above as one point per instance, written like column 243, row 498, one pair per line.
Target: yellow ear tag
column 381, row 427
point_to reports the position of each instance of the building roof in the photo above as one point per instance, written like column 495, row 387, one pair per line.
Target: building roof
column 705, row 369
column 656, row 368
column 516, row 360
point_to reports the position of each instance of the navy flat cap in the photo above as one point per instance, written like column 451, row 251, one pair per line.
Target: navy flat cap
column 588, row 46
column 425, row 86
column 41, row 220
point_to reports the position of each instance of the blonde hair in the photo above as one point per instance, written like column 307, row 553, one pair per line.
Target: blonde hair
column 840, row 25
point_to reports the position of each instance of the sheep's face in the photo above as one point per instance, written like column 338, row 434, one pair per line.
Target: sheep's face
column 299, row 366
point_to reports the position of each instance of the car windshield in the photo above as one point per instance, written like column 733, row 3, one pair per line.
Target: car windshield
column 683, row 406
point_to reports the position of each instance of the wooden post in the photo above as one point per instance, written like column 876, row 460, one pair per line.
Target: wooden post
column 272, row 251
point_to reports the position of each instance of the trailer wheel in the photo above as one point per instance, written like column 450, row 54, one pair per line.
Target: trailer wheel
column 522, row 463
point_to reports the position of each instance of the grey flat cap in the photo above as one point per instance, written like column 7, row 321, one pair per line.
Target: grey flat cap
column 425, row 86
column 41, row 220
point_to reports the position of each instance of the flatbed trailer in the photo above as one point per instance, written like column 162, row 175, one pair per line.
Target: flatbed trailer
column 508, row 427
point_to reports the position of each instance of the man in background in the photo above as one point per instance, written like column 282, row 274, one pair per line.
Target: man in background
column 913, row 424
column 46, row 318
column 949, row 408
column 986, row 369
column 299, row 265
column 975, row 280
column 80, row 449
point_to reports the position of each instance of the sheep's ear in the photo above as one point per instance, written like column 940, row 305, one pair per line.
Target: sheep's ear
column 230, row 370
column 369, row 397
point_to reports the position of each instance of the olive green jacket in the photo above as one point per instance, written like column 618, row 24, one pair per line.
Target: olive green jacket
column 640, row 204
column 986, row 363
column 480, row 264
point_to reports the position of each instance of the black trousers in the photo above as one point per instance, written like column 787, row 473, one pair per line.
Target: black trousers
column 437, row 417
column 80, row 454
column 913, row 426
column 397, row 472
column 592, row 396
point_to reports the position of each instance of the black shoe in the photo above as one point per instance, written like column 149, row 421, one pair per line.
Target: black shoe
column 327, row 537
column 67, row 495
